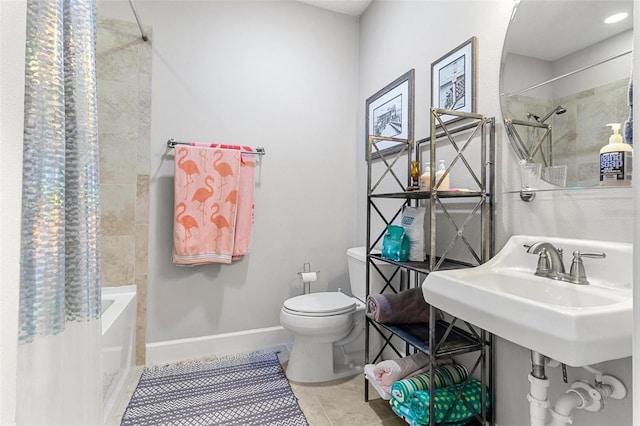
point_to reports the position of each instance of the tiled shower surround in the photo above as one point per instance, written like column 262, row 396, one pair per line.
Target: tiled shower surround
column 576, row 146
column 123, row 67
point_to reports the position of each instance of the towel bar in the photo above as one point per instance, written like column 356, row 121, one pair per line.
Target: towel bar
column 257, row 150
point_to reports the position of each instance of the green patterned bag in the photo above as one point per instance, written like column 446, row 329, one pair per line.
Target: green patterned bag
column 395, row 245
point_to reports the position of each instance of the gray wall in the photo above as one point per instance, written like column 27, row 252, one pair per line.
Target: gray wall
column 422, row 32
column 278, row 74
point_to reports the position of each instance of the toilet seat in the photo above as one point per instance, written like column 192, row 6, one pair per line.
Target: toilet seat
column 320, row 304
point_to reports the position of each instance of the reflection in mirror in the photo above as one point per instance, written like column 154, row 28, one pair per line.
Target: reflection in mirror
column 565, row 75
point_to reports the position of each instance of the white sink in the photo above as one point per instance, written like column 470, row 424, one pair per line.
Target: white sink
column 574, row 324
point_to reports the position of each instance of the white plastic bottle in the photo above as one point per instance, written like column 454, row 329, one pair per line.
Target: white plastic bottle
column 425, row 177
column 616, row 160
column 444, row 186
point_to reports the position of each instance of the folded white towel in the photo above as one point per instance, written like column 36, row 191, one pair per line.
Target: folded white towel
column 369, row 374
column 389, row 371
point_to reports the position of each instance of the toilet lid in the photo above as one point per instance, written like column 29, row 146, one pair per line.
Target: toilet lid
column 320, row 304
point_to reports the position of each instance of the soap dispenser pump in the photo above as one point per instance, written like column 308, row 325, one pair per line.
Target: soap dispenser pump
column 444, row 185
column 616, row 160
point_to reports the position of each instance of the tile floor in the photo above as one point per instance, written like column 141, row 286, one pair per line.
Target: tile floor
column 335, row 403
column 341, row 403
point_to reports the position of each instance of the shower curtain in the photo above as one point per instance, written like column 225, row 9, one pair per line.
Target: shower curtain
column 59, row 378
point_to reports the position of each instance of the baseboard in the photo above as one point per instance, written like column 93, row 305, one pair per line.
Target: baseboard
column 218, row 344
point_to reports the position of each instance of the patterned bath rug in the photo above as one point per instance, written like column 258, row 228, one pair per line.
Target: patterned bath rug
column 246, row 389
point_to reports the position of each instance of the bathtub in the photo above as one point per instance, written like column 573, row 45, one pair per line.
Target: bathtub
column 118, row 342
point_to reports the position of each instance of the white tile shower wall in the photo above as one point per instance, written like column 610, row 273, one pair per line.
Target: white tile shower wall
column 577, row 145
column 123, row 66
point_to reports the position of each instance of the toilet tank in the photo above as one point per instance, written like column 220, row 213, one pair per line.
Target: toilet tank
column 357, row 264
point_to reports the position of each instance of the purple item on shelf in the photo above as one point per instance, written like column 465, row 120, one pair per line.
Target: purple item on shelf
column 406, row 307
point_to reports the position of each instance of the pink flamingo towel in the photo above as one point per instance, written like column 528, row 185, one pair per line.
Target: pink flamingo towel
column 206, row 183
column 245, row 213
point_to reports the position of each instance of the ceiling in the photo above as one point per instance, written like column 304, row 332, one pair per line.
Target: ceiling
column 348, row 7
column 560, row 27
column 552, row 29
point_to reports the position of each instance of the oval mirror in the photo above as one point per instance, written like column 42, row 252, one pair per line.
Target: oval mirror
column 564, row 76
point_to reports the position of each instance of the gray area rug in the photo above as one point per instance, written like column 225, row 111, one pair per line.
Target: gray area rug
column 245, row 389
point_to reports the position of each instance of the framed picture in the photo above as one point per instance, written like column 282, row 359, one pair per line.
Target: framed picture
column 389, row 113
column 453, row 84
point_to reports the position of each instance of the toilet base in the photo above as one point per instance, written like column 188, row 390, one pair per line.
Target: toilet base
column 313, row 362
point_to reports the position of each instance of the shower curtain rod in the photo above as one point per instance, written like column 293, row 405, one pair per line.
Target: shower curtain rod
column 257, row 150
column 135, row 13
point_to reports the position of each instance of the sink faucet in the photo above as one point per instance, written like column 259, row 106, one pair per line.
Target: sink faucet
column 551, row 265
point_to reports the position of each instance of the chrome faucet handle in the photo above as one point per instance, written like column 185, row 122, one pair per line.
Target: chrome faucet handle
column 577, row 274
column 593, row 254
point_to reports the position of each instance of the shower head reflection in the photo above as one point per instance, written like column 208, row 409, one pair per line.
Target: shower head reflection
column 557, row 110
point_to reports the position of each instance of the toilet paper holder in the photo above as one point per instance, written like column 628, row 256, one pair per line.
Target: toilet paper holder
column 308, row 276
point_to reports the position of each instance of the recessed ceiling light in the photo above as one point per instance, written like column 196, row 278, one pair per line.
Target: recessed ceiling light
column 616, row 18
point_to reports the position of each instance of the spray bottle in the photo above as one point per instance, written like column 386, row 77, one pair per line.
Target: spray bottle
column 616, row 160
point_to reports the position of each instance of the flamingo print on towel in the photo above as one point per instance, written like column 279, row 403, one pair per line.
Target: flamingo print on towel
column 211, row 239
column 204, row 154
column 223, row 168
column 218, row 220
column 203, row 194
column 189, row 167
column 186, row 221
column 232, row 198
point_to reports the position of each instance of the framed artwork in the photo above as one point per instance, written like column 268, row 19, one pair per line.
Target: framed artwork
column 453, row 81
column 390, row 113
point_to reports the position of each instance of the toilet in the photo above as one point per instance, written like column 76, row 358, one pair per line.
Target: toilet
column 328, row 327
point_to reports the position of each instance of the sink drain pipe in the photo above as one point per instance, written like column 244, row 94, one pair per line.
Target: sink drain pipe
column 582, row 394
column 574, row 398
column 538, row 402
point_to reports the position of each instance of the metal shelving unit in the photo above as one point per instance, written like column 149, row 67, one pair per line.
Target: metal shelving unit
column 443, row 335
